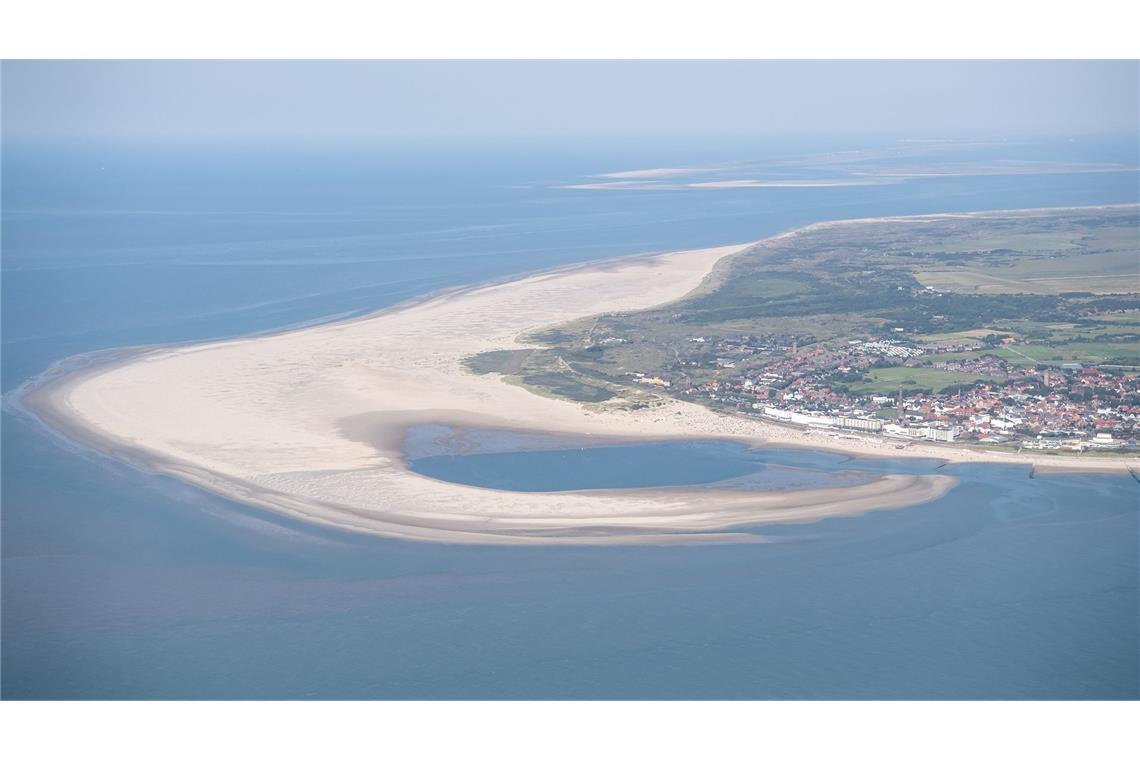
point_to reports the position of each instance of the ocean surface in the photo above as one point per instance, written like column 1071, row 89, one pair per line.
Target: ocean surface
column 117, row 584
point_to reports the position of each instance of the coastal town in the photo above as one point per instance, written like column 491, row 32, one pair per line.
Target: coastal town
column 977, row 396
column 945, row 332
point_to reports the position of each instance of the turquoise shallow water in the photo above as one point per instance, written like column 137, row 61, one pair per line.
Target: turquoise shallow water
column 121, row 585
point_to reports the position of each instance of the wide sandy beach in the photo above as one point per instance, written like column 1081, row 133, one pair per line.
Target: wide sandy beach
column 310, row 422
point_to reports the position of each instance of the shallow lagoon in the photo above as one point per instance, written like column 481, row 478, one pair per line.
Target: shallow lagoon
column 514, row 462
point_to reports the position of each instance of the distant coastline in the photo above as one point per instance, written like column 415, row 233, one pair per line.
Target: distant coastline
column 310, row 422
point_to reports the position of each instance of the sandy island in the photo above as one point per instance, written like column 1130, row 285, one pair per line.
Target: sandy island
column 310, row 422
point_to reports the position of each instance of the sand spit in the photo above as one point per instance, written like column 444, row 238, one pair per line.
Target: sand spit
column 309, row 422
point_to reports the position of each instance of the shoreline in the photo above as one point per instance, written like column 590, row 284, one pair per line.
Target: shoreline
column 309, row 422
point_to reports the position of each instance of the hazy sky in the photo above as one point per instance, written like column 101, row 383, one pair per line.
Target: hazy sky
column 162, row 99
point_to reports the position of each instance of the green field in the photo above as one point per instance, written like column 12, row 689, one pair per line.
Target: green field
column 968, row 280
column 1101, row 260
column 1065, row 332
column 1032, row 355
column 887, row 381
column 975, row 334
column 983, row 241
column 1125, row 334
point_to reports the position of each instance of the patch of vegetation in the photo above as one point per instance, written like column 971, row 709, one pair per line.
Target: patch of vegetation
column 886, row 381
column 566, row 386
column 1072, row 261
column 832, row 284
column 502, row 362
column 543, row 371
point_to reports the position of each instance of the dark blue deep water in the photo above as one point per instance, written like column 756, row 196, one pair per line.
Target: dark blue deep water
column 118, row 584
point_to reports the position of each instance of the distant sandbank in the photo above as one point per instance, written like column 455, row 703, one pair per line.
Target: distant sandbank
column 310, row 422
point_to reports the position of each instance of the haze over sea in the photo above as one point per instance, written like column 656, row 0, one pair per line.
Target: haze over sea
column 118, row 584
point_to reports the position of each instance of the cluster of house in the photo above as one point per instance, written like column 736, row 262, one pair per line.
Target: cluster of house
column 1063, row 407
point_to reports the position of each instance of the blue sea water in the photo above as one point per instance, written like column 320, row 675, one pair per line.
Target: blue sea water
column 117, row 584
